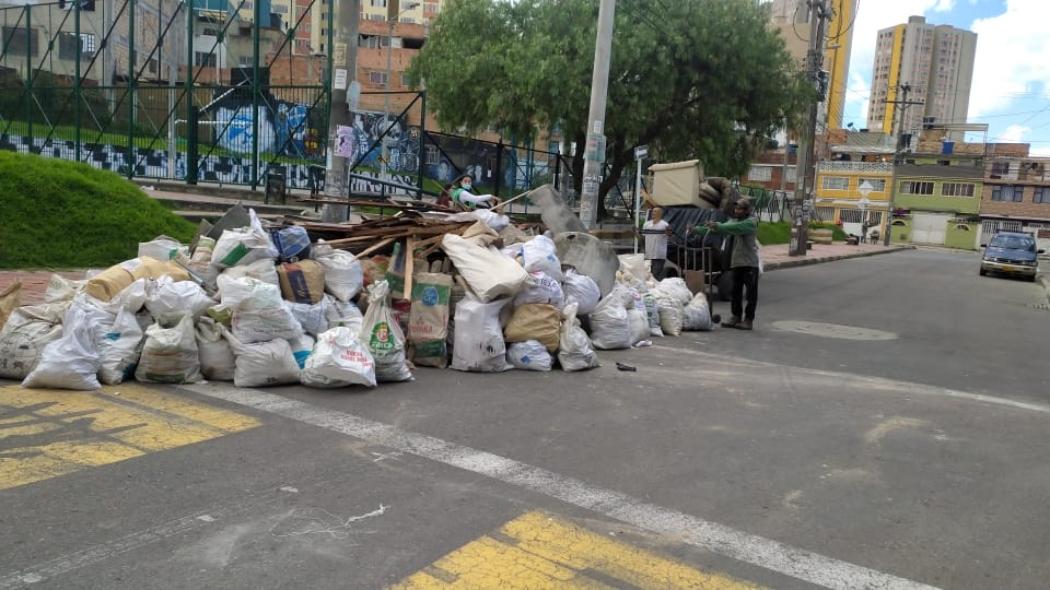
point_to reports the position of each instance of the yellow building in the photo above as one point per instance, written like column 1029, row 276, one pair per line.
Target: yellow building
column 862, row 160
column 791, row 19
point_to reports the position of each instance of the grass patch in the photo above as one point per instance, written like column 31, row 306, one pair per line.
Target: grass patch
column 780, row 232
column 67, row 215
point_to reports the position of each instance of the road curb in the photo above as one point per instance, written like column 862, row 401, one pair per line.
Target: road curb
column 810, row 261
column 1045, row 282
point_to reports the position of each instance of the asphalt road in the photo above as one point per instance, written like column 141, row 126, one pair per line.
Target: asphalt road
column 912, row 455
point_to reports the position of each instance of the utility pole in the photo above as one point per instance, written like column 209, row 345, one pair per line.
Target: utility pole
column 342, row 46
column 595, row 154
column 819, row 13
column 903, row 103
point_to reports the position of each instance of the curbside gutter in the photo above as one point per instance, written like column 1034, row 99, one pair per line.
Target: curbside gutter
column 809, row 261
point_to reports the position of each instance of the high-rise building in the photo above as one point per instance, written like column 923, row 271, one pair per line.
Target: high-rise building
column 936, row 61
column 791, row 19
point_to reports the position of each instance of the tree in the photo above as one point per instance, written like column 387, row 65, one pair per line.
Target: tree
column 705, row 79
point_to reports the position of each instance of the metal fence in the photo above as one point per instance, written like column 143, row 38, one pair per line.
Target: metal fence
column 211, row 90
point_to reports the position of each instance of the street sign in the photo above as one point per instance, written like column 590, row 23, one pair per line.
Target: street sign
column 641, row 152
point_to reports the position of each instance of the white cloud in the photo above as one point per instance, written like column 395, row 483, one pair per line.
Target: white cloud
column 944, row 6
column 1011, row 56
column 1013, row 134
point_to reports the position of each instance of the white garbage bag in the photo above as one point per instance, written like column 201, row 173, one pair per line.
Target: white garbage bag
column 169, row 299
column 263, row 270
column 530, row 355
column 486, row 270
column 383, row 336
column 610, row 325
column 170, row 354
column 697, row 315
column 343, row 275
column 262, row 364
column 132, row 298
column 216, row 356
column 162, row 248
column 539, row 254
column 243, row 245
column 61, row 289
column 120, row 348
column 675, row 289
column 478, row 339
column 541, row 288
column 312, row 316
column 260, row 313
column 344, row 313
column 634, row 266
column 28, row 330
column 72, row 361
column 575, row 352
column 339, row 360
column 670, row 316
column 581, row 289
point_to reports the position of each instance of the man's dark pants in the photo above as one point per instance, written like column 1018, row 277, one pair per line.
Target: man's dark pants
column 745, row 277
column 656, row 266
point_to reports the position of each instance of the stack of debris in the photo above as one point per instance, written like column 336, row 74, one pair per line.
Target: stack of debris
column 338, row 305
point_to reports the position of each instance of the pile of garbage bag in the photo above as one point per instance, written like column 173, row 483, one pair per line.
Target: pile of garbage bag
column 262, row 307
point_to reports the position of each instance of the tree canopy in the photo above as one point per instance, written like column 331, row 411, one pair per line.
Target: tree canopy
column 705, row 79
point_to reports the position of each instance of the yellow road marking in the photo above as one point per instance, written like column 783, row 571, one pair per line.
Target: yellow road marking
column 536, row 550
column 46, row 433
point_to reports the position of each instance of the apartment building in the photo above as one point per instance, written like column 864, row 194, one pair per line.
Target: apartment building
column 853, row 186
column 791, row 19
column 1016, row 193
column 936, row 61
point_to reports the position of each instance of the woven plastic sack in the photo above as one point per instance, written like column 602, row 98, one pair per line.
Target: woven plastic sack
column 670, row 316
column 312, row 317
column 541, row 255
column 259, row 314
column 292, row 243
column 478, row 340
column 541, row 288
column 170, row 354
column 162, row 248
column 345, row 314
column 343, row 274
column 263, row 364
column 120, row 348
column 262, row 270
column 383, row 337
column 581, row 289
column 166, row 298
column 428, row 319
column 610, row 326
column 243, row 245
column 534, row 322
column 216, row 356
column 302, row 348
column 675, row 289
column 575, row 352
column 339, row 359
column 488, row 272
column 652, row 313
column 10, row 298
column 530, row 356
column 29, row 329
column 72, row 361
column 697, row 315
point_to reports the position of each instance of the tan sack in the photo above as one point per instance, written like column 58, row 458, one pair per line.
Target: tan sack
column 535, row 321
column 302, row 282
column 108, row 283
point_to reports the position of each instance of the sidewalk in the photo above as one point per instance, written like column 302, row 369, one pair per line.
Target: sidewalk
column 776, row 257
column 34, row 282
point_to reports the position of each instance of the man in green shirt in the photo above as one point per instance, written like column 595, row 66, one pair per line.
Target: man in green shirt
column 743, row 262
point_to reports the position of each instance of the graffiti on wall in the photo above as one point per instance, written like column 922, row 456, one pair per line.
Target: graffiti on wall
column 283, row 128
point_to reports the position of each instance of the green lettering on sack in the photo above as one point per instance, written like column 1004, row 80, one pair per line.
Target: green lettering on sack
column 381, row 340
column 430, row 349
column 239, row 251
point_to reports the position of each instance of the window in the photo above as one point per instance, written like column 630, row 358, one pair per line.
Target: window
column 850, row 216
column 1000, row 168
column 378, row 3
column 244, row 61
column 957, row 189
column 432, row 155
column 824, row 214
column 18, row 44
column 377, row 78
column 87, row 44
column 1008, row 193
column 835, row 183
column 878, row 185
column 1042, row 195
column 917, row 188
column 204, row 59
column 760, row 173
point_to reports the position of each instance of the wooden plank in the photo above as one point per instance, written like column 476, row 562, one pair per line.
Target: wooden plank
column 378, row 245
column 410, row 258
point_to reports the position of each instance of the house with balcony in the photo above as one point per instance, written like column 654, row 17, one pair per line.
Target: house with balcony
column 938, row 190
column 852, row 187
column 1016, row 195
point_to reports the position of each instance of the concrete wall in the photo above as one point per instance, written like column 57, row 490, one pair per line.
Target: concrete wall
column 901, row 231
column 961, row 235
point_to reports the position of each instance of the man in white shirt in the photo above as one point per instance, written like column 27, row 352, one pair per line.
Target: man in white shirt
column 656, row 231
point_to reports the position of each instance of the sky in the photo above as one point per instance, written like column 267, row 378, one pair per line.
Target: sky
column 1011, row 82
